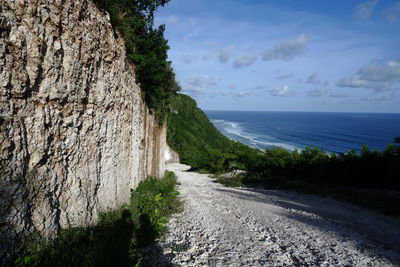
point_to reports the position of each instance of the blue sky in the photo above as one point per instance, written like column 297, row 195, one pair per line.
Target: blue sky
column 286, row 55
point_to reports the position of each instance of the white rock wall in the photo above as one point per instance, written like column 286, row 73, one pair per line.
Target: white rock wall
column 75, row 134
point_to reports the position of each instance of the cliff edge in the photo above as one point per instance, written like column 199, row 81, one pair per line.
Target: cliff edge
column 75, row 134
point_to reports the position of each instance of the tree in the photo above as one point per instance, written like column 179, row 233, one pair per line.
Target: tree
column 146, row 48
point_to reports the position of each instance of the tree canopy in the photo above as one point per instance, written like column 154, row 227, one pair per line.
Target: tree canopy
column 146, row 48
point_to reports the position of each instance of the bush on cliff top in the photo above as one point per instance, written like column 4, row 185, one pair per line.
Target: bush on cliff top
column 146, row 48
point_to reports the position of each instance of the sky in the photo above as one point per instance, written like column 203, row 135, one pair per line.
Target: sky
column 286, row 55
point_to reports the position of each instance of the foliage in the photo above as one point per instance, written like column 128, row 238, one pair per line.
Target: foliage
column 146, row 48
column 236, row 181
column 370, row 169
column 115, row 240
column 200, row 144
column 153, row 202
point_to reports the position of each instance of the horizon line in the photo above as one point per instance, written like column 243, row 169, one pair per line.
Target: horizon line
column 303, row 111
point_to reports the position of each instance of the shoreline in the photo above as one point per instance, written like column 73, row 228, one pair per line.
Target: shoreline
column 342, row 143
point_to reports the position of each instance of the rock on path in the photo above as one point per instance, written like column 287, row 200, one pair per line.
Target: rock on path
column 223, row 226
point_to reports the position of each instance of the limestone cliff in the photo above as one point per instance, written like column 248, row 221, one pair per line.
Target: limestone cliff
column 75, row 134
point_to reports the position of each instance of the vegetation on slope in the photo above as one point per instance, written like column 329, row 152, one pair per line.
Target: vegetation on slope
column 118, row 236
column 146, row 48
column 203, row 147
column 199, row 144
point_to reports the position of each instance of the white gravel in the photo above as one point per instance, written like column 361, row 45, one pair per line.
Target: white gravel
column 223, row 226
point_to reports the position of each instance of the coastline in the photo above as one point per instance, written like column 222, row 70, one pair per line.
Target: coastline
column 292, row 131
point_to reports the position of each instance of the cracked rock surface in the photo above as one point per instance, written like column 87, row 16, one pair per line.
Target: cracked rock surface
column 75, row 134
column 223, row 226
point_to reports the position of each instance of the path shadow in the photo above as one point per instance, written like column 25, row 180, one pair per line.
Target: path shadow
column 154, row 256
column 372, row 232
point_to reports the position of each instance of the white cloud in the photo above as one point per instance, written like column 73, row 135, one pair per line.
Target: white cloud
column 225, row 54
column 392, row 13
column 243, row 94
column 357, row 81
column 282, row 91
column 196, row 84
column 244, row 61
column 353, row 81
column 314, row 78
column 365, row 10
column 381, row 71
column 378, row 75
column 377, row 98
column 202, row 80
column 288, row 49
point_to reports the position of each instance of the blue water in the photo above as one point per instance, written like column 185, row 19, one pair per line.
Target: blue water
column 332, row 132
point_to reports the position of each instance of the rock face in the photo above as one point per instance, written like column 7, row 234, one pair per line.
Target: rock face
column 171, row 156
column 75, row 134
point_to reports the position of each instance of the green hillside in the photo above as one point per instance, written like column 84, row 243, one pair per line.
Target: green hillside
column 197, row 141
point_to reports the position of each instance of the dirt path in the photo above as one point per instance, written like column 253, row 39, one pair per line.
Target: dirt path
column 223, row 226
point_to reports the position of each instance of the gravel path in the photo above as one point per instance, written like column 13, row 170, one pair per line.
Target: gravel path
column 223, row 226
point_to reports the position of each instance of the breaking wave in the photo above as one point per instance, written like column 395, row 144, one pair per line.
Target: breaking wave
column 237, row 132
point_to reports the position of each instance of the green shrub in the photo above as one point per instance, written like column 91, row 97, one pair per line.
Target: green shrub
column 153, row 201
column 237, row 181
column 277, row 158
column 116, row 238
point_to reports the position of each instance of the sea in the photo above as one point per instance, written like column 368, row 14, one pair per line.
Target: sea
column 331, row 132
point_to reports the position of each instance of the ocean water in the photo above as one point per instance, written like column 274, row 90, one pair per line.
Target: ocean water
column 332, row 132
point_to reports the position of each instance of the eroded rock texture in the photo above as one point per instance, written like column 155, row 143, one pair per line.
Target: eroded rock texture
column 75, row 134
